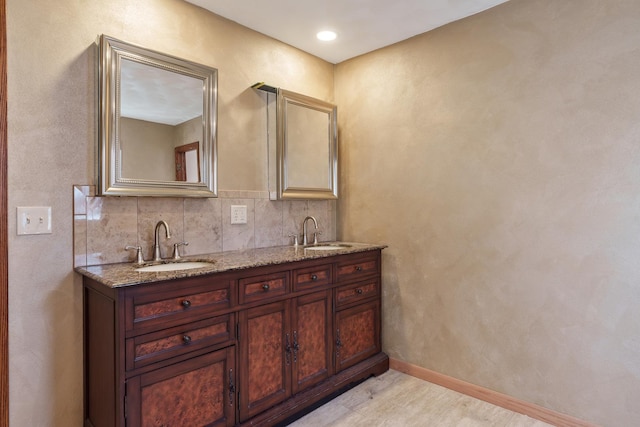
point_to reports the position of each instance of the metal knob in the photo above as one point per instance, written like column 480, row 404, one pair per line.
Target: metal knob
column 186, row 303
column 314, row 277
column 358, row 268
column 186, row 339
column 359, row 291
column 265, row 287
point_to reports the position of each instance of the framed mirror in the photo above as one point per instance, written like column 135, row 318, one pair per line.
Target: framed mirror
column 307, row 147
column 157, row 124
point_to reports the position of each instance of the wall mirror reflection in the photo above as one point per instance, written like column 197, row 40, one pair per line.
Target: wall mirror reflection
column 157, row 124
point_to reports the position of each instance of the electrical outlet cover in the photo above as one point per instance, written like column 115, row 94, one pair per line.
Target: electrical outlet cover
column 238, row 214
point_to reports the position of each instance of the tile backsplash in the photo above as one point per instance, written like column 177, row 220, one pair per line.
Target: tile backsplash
column 103, row 226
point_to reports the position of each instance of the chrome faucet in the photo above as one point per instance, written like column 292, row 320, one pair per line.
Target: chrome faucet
column 305, row 238
column 156, row 242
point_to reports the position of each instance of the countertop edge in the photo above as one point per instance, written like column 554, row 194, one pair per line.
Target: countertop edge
column 124, row 274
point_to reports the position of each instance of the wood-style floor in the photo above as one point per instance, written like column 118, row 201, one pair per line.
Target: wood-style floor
column 397, row 399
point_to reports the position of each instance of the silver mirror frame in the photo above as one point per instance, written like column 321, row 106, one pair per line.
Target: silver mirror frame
column 109, row 167
column 284, row 188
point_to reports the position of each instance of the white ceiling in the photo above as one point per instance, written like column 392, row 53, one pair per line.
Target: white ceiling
column 362, row 25
column 158, row 95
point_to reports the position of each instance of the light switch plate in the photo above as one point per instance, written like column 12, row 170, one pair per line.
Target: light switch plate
column 238, row 214
column 34, row 220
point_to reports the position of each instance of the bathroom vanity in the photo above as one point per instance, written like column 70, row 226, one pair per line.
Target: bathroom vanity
column 257, row 337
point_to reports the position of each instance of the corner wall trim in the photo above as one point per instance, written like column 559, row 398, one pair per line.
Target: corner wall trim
column 4, row 213
column 511, row 403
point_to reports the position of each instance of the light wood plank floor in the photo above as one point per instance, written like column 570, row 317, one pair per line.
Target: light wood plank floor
column 396, row 399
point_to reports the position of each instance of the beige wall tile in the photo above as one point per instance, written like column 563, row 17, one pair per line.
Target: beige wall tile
column 151, row 210
column 293, row 213
column 319, row 209
column 238, row 236
column 202, row 226
column 268, row 220
column 111, row 225
column 79, row 240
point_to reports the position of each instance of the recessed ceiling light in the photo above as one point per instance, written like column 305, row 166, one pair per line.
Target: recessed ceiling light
column 326, row 36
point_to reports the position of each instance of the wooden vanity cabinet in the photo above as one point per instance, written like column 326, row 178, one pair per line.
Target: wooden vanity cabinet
column 255, row 346
column 161, row 354
column 285, row 347
column 357, row 318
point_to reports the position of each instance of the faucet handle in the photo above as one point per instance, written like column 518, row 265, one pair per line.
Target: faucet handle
column 295, row 239
column 176, row 249
column 138, row 249
column 315, row 237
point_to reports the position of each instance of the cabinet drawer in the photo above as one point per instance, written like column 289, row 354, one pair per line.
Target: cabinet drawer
column 154, row 347
column 345, row 295
column 353, row 268
column 173, row 305
column 311, row 277
column 263, row 287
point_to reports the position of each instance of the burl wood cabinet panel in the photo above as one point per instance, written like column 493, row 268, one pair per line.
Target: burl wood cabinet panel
column 196, row 392
column 311, row 340
column 262, row 353
column 251, row 347
column 357, row 334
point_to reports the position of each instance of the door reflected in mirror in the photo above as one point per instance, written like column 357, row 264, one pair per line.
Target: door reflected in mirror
column 187, row 159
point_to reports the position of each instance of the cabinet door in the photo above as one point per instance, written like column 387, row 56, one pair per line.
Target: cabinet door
column 265, row 357
column 357, row 334
column 311, row 346
column 196, row 392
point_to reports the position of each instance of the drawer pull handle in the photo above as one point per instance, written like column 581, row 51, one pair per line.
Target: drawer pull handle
column 314, row 277
column 186, row 339
column 265, row 287
column 358, row 268
column 359, row 291
column 186, row 303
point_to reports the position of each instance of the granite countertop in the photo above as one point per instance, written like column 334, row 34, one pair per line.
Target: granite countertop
column 125, row 274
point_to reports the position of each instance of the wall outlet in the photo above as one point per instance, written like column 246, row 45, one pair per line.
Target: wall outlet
column 34, row 220
column 238, row 214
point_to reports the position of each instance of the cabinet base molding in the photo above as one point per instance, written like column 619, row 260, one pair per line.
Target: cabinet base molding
column 306, row 401
column 505, row 401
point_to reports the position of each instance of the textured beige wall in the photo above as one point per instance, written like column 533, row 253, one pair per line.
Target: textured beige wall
column 499, row 157
column 51, row 120
column 147, row 150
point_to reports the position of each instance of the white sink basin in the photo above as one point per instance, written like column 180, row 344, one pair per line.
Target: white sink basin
column 328, row 247
column 174, row 266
